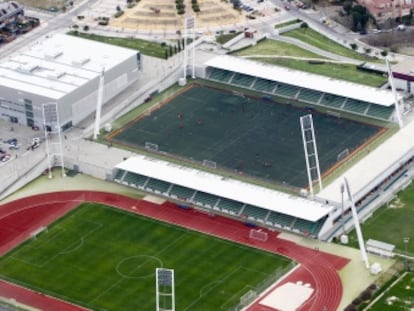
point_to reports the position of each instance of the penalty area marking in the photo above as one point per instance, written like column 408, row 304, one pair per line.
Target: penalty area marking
column 141, row 260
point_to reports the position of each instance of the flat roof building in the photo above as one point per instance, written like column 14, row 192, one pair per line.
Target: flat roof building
column 65, row 70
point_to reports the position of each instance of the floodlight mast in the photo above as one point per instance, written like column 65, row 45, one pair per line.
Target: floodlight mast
column 394, row 92
column 357, row 226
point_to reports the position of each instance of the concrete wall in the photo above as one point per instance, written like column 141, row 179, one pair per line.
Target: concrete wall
column 12, row 104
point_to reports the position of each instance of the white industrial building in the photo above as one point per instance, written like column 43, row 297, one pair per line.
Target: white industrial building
column 65, row 70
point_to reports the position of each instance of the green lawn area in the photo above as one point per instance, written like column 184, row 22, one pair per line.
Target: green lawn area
column 316, row 39
column 105, row 259
column 294, row 21
column 145, row 47
column 223, row 38
column 345, row 72
column 276, row 48
column 399, row 297
column 392, row 223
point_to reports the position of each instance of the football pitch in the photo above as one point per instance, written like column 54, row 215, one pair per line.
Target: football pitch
column 104, row 258
column 249, row 135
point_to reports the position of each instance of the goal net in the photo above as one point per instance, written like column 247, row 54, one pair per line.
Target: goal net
column 151, row 146
column 258, row 234
column 210, row 164
column 342, row 155
column 248, row 298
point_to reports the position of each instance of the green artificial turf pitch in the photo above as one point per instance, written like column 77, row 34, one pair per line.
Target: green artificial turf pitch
column 399, row 297
column 105, row 259
column 249, row 135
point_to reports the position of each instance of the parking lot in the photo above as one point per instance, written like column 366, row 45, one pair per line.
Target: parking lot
column 17, row 141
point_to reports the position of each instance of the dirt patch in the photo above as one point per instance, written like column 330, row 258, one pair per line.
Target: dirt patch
column 396, row 204
column 43, row 4
column 161, row 15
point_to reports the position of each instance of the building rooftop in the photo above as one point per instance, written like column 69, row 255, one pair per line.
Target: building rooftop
column 226, row 187
column 406, row 66
column 57, row 65
column 304, row 79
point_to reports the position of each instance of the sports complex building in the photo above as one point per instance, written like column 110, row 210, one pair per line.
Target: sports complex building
column 320, row 216
column 229, row 144
column 64, row 70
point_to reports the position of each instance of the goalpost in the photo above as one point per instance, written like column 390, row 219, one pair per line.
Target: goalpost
column 258, row 234
column 342, row 155
column 151, row 146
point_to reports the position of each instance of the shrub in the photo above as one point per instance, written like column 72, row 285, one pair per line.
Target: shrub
column 351, row 308
column 373, row 286
column 357, row 301
column 366, row 295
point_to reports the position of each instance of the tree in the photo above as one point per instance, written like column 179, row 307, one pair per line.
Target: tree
column 347, row 6
column 353, row 46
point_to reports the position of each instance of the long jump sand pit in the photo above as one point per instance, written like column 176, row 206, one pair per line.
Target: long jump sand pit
column 288, row 297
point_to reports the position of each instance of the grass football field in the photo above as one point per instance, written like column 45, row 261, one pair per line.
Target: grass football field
column 392, row 222
column 105, row 259
column 399, row 297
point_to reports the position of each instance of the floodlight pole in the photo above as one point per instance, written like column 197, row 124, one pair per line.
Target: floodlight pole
column 357, row 226
column 311, row 150
column 394, row 92
column 342, row 207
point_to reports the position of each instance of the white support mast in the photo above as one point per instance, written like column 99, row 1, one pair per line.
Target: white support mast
column 165, row 289
column 193, row 49
column 53, row 138
column 311, row 152
column 99, row 105
column 394, row 92
column 357, row 226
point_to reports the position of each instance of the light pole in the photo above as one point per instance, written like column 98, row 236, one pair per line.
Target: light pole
column 406, row 240
column 342, row 208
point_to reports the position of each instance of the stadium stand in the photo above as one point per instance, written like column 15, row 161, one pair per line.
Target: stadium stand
column 220, row 75
column 306, row 87
column 119, row 175
column 355, row 106
column 251, row 204
column 205, row 199
column 135, row 180
column 230, row 206
column 263, row 85
column 303, row 225
column 255, row 213
column 287, row 90
column 380, row 112
column 281, row 220
column 157, row 186
column 310, row 96
column 181, row 193
column 243, row 80
column 332, row 101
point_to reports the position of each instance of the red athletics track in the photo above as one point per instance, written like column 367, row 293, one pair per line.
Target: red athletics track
column 21, row 217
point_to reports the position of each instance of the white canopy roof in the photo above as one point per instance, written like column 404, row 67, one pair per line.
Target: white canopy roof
column 303, row 79
column 226, row 187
